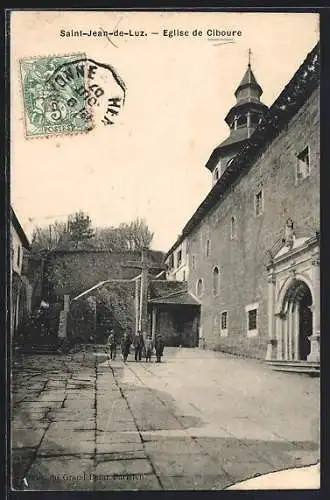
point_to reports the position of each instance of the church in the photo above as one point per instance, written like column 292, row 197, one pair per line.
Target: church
column 250, row 252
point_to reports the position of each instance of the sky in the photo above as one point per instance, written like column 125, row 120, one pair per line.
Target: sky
column 151, row 162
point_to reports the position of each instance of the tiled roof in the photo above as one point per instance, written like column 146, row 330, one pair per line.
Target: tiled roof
column 19, row 229
column 163, row 288
column 180, row 298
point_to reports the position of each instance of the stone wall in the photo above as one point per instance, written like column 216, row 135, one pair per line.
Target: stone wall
column 241, row 261
column 72, row 272
column 110, row 307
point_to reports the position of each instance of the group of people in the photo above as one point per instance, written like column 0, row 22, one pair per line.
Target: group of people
column 143, row 345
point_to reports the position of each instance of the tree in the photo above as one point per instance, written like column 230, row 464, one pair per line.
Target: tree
column 127, row 236
column 79, row 228
column 136, row 234
column 48, row 238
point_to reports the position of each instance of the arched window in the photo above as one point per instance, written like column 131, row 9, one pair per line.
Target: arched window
column 255, row 118
column 207, row 248
column 233, row 228
column 242, row 121
column 215, row 280
column 199, row 287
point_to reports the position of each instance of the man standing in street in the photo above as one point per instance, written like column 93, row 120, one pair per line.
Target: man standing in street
column 148, row 348
column 138, row 346
column 112, row 344
column 159, row 347
column 125, row 345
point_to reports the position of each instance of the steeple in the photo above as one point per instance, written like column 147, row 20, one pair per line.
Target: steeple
column 249, row 88
column 245, row 115
column 242, row 120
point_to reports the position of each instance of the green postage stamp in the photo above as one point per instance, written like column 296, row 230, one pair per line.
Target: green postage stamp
column 69, row 94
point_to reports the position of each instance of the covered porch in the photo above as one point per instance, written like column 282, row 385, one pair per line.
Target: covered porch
column 176, row 318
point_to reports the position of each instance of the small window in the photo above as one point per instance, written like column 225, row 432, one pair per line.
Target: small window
column 215, row 281
column 303, row 165
column 224, row 317
column 208, row 248
column 184, row 276
column 255, row 120
column 233, row 228
column 18, row 255
column 259, row 203
column 171, row 261
column 199, row 287
column 193, row 262
column 241, row 122
column 216, row 174
column 252, row 320
column 179, row 257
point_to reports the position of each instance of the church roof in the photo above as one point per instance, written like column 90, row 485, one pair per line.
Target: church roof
column 239, row 135
column 304, row 82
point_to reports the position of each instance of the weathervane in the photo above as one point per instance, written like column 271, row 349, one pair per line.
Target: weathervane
column 250, row 53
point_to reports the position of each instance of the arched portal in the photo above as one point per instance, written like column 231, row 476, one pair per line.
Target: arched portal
column 296, row 322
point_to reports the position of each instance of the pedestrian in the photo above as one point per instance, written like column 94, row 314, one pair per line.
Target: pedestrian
column 125, row 346
column 149, row 348
column 159, row 347
column 112, row 344
column 138, row 346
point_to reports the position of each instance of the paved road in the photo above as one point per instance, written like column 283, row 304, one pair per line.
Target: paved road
column 198, row 420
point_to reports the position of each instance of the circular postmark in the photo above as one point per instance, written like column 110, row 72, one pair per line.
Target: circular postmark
column 70, row 94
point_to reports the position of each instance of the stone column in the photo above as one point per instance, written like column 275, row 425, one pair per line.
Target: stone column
column 291, row 332
column 279, row 336
column 296, row 332
column 272, row 340
column 137, row 305
column 314, row 355
column 285, row 337
column 66, row 306
column 248, row 123
column 144, row 293
column 154, row 322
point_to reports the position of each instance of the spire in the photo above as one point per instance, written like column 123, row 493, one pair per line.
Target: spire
column 248, row 82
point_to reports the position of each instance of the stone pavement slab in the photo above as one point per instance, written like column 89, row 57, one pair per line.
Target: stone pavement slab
column 61, row 473
column 26, row 439
column 122, row 467
column 218, row 481
column 199, row 420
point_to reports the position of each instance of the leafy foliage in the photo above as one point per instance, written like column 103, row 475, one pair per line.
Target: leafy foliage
column 127, row 236
column 78, row 233
column 50, row 237
column 80, row 228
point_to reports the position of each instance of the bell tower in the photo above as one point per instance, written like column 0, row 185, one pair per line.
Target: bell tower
column 242, row 119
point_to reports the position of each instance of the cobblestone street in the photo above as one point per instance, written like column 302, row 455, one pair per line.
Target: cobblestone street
column 198, row 420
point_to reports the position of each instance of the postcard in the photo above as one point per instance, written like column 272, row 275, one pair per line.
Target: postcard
column 165, row 270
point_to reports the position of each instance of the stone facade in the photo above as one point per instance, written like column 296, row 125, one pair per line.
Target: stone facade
column 272, row 180
column 21, row 289
column 241, row 257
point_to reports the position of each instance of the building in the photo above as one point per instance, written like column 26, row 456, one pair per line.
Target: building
column 252, row 246
column 140, row 300
column 20, row 287
column 177, row 262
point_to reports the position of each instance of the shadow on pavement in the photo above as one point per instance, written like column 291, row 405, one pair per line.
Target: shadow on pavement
column 135, row 438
